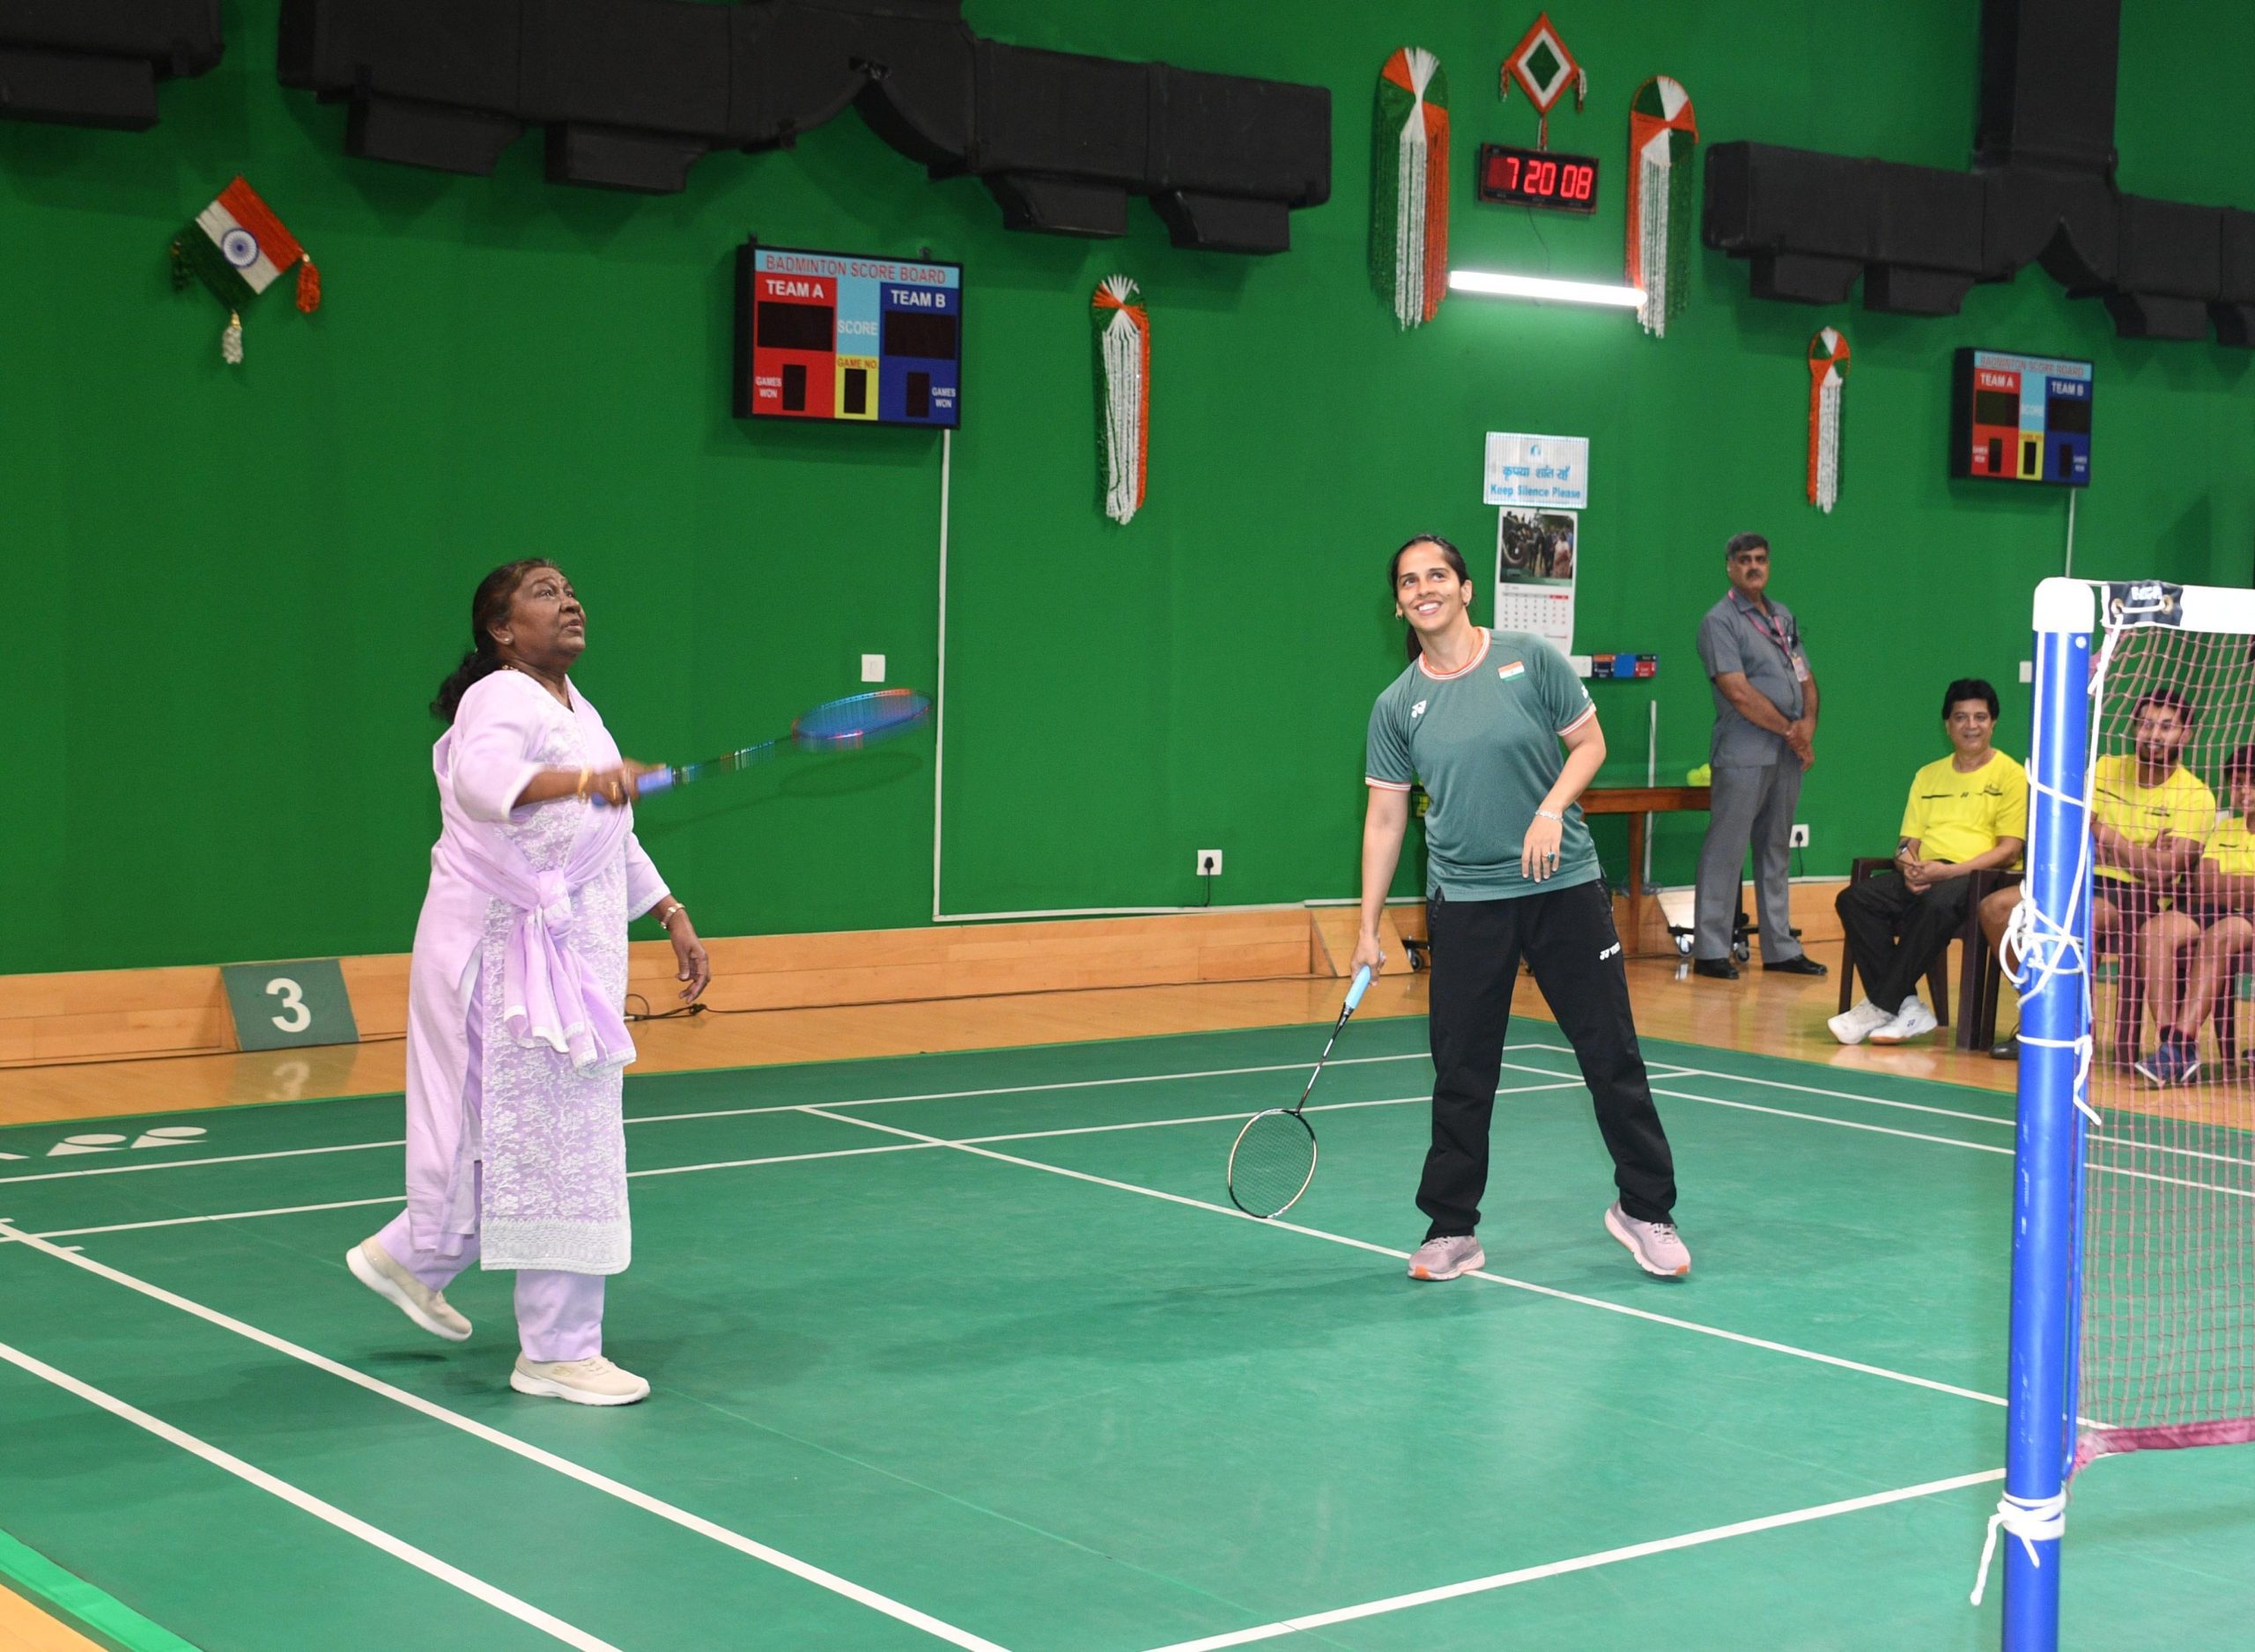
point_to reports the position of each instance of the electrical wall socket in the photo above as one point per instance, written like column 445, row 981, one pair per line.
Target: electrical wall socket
column 1798, row 838
column 2028, row 671
column 872, row 668
column 1209, row 863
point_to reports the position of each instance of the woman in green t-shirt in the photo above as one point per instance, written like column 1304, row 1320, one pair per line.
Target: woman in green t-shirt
column 1502, row 734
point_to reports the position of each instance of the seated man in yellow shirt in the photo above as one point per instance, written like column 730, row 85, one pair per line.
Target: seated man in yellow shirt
column 2151, row 819
column 2213, row 915
column 1967, row 811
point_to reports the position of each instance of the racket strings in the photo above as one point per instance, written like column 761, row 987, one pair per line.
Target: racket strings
column 1272, row 1164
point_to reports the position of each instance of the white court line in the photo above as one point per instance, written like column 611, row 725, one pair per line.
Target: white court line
column 1032, row 1090
column 1528, row 1286
column 745, row 1112
column 1806, row 1089
column 351, row 1525
column 780, row 1158
column 1581, row 1563
column 191, row 1164
column 603, row 1483
column 1843, row 1124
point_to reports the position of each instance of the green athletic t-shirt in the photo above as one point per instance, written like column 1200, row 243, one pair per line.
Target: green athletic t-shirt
column 1485, row 742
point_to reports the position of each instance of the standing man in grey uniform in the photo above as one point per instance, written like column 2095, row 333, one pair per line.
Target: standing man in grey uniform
column 1765, row 728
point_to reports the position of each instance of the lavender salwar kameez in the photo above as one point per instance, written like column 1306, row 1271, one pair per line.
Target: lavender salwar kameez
column 516, row 1157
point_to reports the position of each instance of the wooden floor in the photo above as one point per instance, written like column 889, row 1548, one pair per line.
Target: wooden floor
column 1774, row 1016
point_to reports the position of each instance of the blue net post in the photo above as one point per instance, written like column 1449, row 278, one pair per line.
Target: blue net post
column 2040, row 1432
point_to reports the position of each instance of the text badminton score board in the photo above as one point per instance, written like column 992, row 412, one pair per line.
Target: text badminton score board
column 840, row 336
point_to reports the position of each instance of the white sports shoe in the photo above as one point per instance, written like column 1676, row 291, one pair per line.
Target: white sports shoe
column 1446, row 1257
column 1854, row 1026
column 376, row 1268
column 594, row 1381
column 1915, row 1021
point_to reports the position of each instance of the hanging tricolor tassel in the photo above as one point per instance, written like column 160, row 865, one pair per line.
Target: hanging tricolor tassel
column 239, row 248
column 1123, row 364
column 1410, row 185
column 1662, row 188
column 1828, row 371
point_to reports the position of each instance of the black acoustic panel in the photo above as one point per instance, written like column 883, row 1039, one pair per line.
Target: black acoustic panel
column 642, row 88
column 77, row 89
column 2047, row 84
column 1232, row 136
column 1059, row 114
column 649, row 65
column 1059, row 206
column 647, row 163
column 2172, row 250
column 96, row 62
column 2042, row 192
column 443, row 138
column 1895, row 290
column 468, row 54
column 1224, row 224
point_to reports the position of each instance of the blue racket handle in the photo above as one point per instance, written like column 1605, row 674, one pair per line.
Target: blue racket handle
column 657, row 781
column 1362, row 985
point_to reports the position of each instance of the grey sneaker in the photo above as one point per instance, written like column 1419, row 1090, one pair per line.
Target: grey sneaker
column 1446, row 1257
column 590, row 1382
column 1658, row 1247
column 376, row 1268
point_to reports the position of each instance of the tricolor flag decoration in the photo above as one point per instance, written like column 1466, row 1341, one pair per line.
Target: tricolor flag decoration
column 1123, row 366
column 237, row 247
column 1828, row 371
column 1410, row 185
column 1662, row 188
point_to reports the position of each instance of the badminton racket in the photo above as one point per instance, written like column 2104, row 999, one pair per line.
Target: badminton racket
column 858, row 719
column 1273, row 1158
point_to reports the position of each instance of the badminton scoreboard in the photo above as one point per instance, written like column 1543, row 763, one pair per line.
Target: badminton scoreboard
column 2019, row 418
column 845, row 338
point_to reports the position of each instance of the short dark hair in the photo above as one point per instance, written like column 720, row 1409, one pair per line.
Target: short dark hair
column 1968, row 689
column 2173, row 699
column 2241, row 762
column 1744, row 542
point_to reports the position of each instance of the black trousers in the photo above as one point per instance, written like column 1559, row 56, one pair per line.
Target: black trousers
column 1894, row 935
column 1567, row 936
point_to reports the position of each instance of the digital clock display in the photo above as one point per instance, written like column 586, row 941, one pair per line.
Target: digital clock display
column 1538, row 178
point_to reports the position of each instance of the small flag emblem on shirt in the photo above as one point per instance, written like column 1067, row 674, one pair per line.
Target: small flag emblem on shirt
column 1517, row 669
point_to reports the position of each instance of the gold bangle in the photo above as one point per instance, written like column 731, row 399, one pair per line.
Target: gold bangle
column 581, row 792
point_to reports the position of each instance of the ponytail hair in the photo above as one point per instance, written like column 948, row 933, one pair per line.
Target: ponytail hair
column 1450, row 554
column 487, row 608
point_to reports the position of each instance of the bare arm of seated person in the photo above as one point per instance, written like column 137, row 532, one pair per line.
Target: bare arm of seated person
column 2232, row 890
column 2164, row 859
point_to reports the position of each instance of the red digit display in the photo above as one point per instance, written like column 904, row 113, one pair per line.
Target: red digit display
column 1536, row 178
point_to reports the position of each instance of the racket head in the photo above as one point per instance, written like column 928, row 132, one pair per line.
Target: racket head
column 861, row 719
column 1271, row 1162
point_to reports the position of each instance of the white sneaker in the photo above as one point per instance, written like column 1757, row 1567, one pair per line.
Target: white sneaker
column 590, row 1382
column 381, row 1272
column 1914, row 1020
column 1854, row 1026
column 1446, row 1257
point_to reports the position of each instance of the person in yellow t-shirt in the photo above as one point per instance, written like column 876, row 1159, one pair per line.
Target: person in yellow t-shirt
column 2151, row 819
column 2213, row 916
column 1966, row 813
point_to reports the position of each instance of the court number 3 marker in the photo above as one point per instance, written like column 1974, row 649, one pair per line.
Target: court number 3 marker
column 295, row 1017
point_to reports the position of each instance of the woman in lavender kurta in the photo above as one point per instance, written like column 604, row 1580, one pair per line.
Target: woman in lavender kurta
column 516, row 1037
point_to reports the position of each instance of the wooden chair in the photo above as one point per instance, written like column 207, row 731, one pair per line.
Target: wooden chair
column 1980, row 983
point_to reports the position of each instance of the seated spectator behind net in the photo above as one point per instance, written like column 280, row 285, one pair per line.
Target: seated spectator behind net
column 1967, row 812
column 2151, row 819
column 2210, row 916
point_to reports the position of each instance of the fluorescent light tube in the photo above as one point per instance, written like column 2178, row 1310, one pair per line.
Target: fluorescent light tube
column 1501, row 285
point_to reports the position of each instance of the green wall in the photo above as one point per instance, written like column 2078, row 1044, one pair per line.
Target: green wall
column 228, row 595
